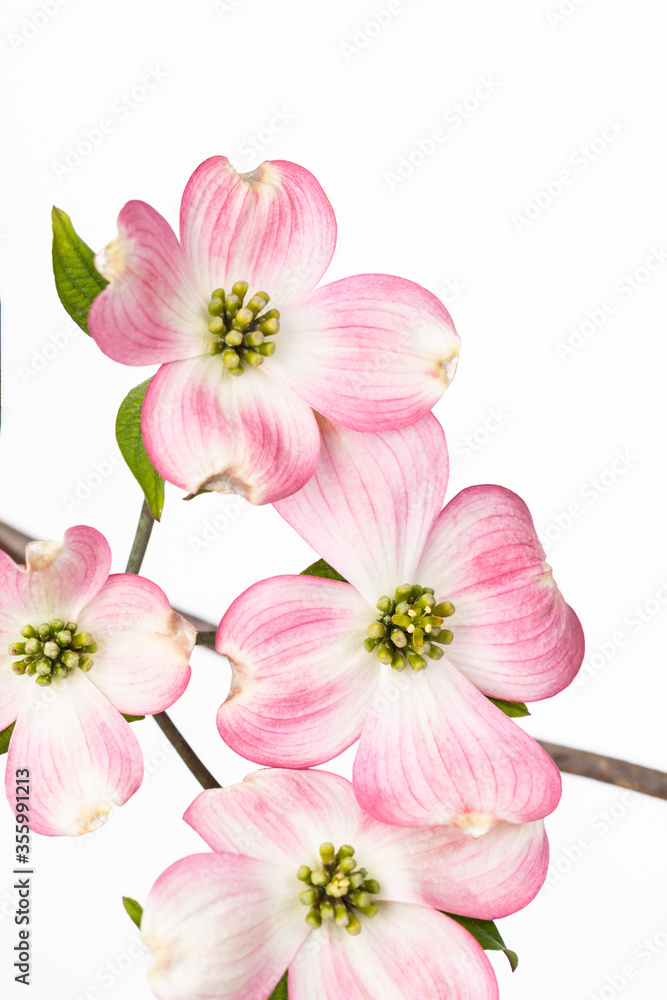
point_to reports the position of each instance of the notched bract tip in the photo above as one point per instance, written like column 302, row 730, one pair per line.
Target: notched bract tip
column 111, row 261
column 448, row 368
column 40, row 555
column 227, row 482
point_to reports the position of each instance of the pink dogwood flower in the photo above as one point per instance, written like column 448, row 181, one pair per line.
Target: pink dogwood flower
column 443, row 610
column 246, row 345
column 301, row 879
column 80, row 648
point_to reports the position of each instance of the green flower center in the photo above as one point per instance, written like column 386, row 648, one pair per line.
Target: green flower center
column 409, row 627
column 52, row 649
column 240, row 330
column 338, row 891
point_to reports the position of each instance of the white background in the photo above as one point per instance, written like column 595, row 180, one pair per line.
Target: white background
column 520, row 94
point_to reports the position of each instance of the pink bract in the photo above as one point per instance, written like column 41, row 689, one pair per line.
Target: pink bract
column 433, row 748
column 81, row 754
column 373, row 352
column 229, row 923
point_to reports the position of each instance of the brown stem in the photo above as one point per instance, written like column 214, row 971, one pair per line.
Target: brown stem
column 588, row 765
column 205, row 638
column 609, row 769
column 173, row 734
column 141, row 539
column 185, row 751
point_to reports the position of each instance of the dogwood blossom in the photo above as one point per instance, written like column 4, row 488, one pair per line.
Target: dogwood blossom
column 443, row 610
column 82, row 647
column 246, row 346
column 301, row 879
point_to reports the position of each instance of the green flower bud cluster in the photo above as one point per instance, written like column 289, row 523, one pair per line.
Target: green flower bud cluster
column 239, row 328
column 409, row 627
column 338, row 890
column 52, row 649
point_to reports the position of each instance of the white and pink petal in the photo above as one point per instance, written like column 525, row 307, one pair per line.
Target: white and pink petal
column 514, row 635
column 434, row 750
column 13, row 609
column 371, row 503
column 142, row 662
column 404, row 952
column 82, row 756
column 205, row 429
column 302, row 682
column 308, row 808
column 446, row 868
column 272, row 227
column 372, row 351
column 59, row 578
column 150, row 312
column 221, row 927
column 13, row 690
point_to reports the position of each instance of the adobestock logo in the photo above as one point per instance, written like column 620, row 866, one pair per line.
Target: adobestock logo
column 581, row 159
column 565, row 9
column 634, row 621
column 623, row 290
column 107, row 975
column 467, row 446
column 289, row 281
column 31, row 25
column 591, row 491
column 228, row 511
column 48, row 352
column 276, row 124
column 365, row 33
column 651, row 947
column 451, row 289
column 121, row 109
column 452, row 119
column 599, row 826
column 222, row 7
column 85, row 486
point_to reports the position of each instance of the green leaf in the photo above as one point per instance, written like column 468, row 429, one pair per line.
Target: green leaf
column 134, row 909
column 487, row 934
column 132, row 718
column 322, row 568
column 131, row 444
column 78, row 282
column 5, row 736
column 191, row 496
column 515, row 709
column 280, row 992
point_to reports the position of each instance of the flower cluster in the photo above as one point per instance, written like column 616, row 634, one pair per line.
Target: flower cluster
column 309, row 681
column 229, row 923
column 429, row 620
column 69, row 730
column 372, row 352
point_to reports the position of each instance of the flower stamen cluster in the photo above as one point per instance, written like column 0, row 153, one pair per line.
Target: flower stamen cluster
column 338, row 891
column 52, row 649
column 240, row 330
column 409, row 626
